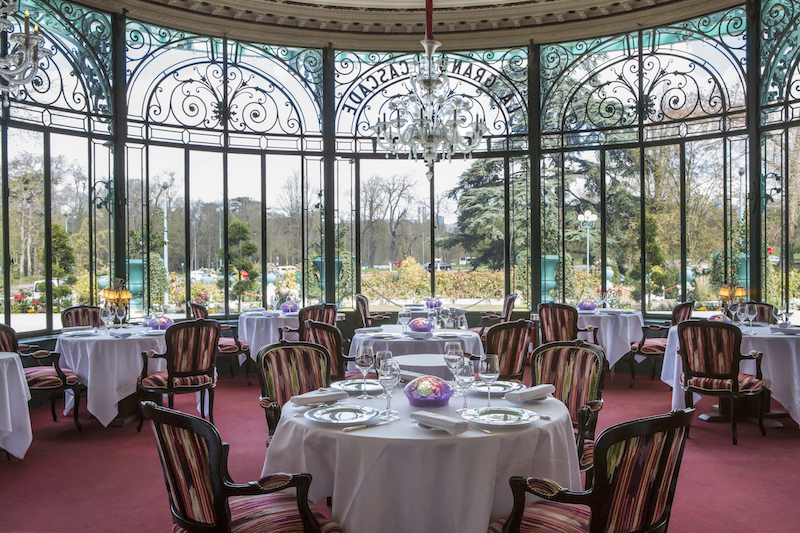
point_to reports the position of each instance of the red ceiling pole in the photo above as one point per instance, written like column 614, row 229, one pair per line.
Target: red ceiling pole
column 429, row 20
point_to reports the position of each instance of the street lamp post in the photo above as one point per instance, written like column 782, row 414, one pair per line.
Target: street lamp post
column 587, row 221
column 219, row 261
column 67, row 212
column 165, row 185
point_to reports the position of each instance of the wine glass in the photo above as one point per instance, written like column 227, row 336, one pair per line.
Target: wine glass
column 404, row 318
column 741, row 313
column 389, row 377
column 380, row 356
column 489, row 371
column 452, row 355
column 364, row 361
column 432, row 317
column 121, row 312
column 106, row 315
column 465, row 377
column 444, row 314
column 752, row 312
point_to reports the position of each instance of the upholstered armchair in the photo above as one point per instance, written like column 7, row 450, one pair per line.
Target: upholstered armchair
column 511, row 342
column 287, row 369
column 367, row 318
column 636, row 469
column 575, row 369
column 489, row 317
column 204, row 499
column 81, row 315
column 656, row 347
column 559, row 322
column 331, row 339
column 191, row 357
column 45, row 376
column 711, row 353
column 230, row 347
column 319, row 313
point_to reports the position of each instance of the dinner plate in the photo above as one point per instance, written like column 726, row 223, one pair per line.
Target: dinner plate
column 357, row 385
column 500, row 416
column 386, row 336
column 419, row 334
column 83, row 333
column 154, row 332
column 448, row 335
column 498, row 387
column 342, row 415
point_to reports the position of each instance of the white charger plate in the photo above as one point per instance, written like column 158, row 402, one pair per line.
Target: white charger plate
column 342, row 415
column 498, row 387
column 357, row 385
column 500, row 416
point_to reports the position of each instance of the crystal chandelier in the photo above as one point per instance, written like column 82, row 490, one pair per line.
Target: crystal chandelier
column 20, row 64
column 431, row 117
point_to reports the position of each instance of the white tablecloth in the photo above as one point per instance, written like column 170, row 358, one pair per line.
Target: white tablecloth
column 780, row 367
column 108, row 367
column 400, row 477
column 15, row 419
column 403, row 345
column 616, row 330
column 430, row 364
column 262, row 330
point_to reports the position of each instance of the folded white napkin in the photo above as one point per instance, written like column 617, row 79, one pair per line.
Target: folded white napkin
column 75, row 328
column 120, row 334
column 452, row 425
column 319, row 396
column 531, row 393
column 369, row 330
column 407, row 376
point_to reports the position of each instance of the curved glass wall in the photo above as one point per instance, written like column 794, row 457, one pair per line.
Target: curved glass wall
column 242, row 175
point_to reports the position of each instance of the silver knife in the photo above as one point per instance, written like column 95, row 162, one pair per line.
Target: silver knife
column 362, row 426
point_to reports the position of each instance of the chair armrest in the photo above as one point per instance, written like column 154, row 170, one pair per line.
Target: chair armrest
column 149, row 354
column 754, row 355
column 287, row 329
column 25, row 348
column 380, row 316
column 595, row 405
column 544, row 488
column 491, row 315
column 225, row 327
column 582, row 425
column 590, row 329
column 272, row 411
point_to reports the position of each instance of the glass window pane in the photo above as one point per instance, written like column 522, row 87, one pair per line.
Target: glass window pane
column 167, row 230
column 244, row 231
column 623, row 219
column 26, row 218
column 284, row 208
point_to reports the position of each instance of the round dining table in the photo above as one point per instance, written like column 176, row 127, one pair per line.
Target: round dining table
column 262, row 328
column 401, row 477
column 401, row 342
column 108, row 364
column 15, row 419
column 616, row 330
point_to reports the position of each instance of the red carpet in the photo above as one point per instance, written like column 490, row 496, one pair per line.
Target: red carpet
column 110, row 480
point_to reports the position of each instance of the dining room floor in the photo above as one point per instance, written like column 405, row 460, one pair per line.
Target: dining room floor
column 109, row 479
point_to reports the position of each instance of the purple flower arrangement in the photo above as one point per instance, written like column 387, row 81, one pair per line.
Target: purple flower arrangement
column 720, row 318
column 428, row 391
column 433, row 303
column 289, row 306
column 587, row 305
column 420, row 325
column 161, row 322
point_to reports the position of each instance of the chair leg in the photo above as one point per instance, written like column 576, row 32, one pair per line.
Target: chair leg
column 53, row 406
column 653, row 376
column 688, row 399
column 734, row 401
column 248, row 366
column 76, row 407
column 211, row 405
column 202, row 403
column 171, row 401
column 763, row 410
column 231, row 366
column 632, row 362
column 589, row 474
column 140, row 414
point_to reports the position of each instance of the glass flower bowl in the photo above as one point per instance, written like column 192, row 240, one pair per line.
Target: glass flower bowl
column 421, row 325
column 289, row 306
column 162, row 322
column 428, row 391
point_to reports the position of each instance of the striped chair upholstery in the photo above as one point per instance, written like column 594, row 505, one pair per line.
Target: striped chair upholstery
column 325, row 313
column 711, row 353
column 202, row 496
column 510, row 341
column 230, row 347
column 764, row 311
column 191, row 357
column 44, row 375
column 331, row 339
column 636, row 471
column 81, row 315
column 362, row 306
column 559, row 322
column 656, row 347
column 287, row 369
column 504, row 316
column 575, row 369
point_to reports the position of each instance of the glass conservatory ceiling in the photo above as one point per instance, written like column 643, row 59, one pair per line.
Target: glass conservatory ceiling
column 400, row 24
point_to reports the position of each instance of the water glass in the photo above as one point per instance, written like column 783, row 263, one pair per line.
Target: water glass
column 465, row 377
column 380, row 356
column 444, row 314
column 121, row 312
column 752, row 312
column 404, row 318
column 452, row 355
column 389, row 377
column 489, row 371
column 364, row 361
column 106, row 315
